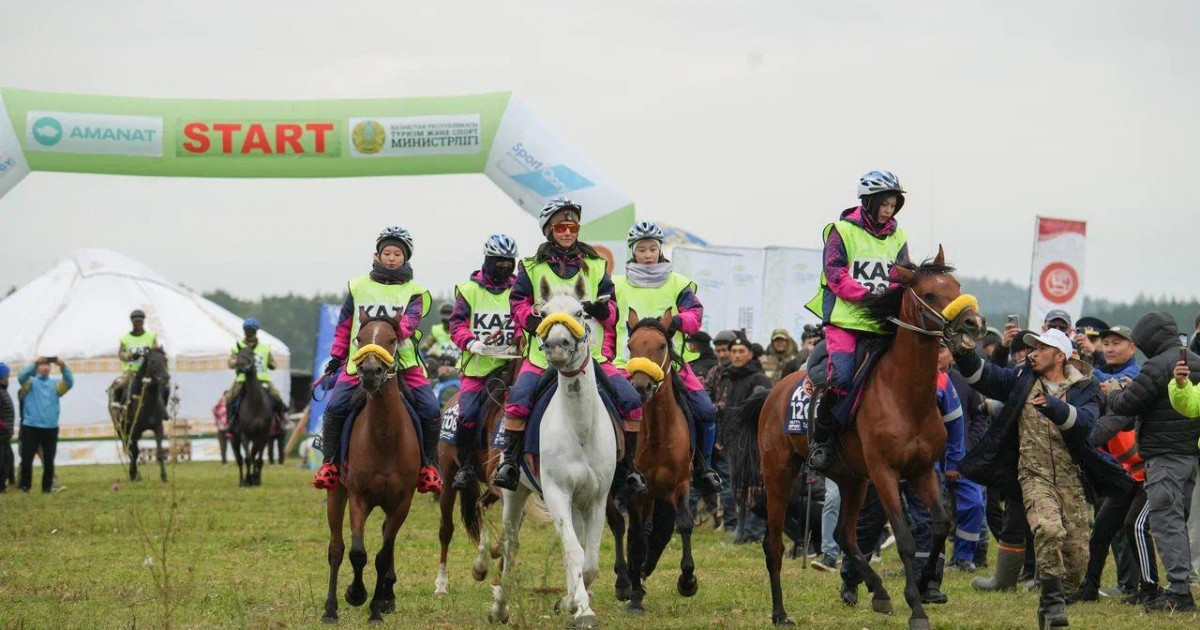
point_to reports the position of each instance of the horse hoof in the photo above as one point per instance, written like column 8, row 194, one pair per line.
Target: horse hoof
column 329, row 618
column 688, row 585
column 498, row 615
column 784, row 622
column 882, row 606
column 376, row 619
column 624, row 592
column 356, row 597
column 479, row 572
column 584, row 621
column 635, row 610
column 441, row 591
column 388, row 606
column 919, row 624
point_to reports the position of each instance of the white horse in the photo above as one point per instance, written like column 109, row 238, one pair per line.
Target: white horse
column 578, row 458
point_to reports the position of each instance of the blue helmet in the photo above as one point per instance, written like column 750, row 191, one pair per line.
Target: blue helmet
column 555, row 205
column 250, row 322
column 643, row 230
column 501, row 245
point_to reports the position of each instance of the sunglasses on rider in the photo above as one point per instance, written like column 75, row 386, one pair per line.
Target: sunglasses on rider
column 566, row 227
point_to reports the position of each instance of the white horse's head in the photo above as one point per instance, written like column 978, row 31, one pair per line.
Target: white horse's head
column 565, row 332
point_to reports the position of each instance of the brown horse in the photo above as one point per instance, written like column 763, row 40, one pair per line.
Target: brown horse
column 473, row 505
column 380, row 470
column 898, row 433
column 664, row 455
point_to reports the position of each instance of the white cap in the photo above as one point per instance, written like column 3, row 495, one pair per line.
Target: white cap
column 1054, row 338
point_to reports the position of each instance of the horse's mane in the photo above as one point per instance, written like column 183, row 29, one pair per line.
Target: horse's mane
column 650, row 322
column 887, row 304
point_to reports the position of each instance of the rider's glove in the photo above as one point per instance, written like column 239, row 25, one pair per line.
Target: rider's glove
column 477, row 347
column 597, row 310
column 333, row 365
column 532, row 323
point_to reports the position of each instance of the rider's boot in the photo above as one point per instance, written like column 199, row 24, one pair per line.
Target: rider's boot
column 508, row 473
column 706, row 479
column 633, row 482
column 465, row 476
column 331, row 441
column 820, row 449
column 430, row 478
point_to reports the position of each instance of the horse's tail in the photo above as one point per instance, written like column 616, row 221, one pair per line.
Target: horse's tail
column 739, row 436
column 468, row 506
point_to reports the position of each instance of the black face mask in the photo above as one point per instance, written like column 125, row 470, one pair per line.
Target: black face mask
column 498, row 270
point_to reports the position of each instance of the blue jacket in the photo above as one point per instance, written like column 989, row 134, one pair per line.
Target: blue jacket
column 41, row 396
column 952, row 416
column 1108, row 372
column 993, row 461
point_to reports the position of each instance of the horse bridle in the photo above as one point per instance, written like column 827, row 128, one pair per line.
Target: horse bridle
column 925, row 311
column 656, row 383
column 379, row 352
column 577, row 341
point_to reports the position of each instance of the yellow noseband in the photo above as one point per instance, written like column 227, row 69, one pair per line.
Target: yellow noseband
column 575, row 327
column 373, row 349
column 645, row 366
column 960, row 304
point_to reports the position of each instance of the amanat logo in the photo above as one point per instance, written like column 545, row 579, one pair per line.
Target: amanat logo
column 258, row 138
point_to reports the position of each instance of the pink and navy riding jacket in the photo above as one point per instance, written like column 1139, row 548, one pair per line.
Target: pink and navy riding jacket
column 566, row 267
column 460, row 319
column 407, row 325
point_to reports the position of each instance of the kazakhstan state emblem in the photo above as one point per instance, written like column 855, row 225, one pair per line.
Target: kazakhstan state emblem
column 368, row 137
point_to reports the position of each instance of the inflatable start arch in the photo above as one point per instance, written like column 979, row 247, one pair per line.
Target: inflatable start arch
column 496, row 134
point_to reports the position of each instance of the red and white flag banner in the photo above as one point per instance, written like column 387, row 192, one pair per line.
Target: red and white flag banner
column 1059, row 254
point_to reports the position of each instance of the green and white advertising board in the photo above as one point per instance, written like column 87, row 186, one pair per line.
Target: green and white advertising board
column 495, row 134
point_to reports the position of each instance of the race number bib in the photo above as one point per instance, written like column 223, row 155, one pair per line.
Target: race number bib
column 485, row 324
column 800, row 409
column 260, row 363
column 449, row 424
column 871, row 273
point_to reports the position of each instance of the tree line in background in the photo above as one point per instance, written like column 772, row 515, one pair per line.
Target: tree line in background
column 293, row 318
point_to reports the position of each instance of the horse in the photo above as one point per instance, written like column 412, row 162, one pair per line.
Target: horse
column 664, row 455
column 145, row 411
column 380, row 470
column 253, row 419
column 898, row 432
column 578, row 458
column 473, row 505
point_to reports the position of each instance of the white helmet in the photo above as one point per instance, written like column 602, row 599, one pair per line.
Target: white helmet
column 500, row 245
column 395, row 233
column 643, row 230
column 878, row 181
column 554, row 205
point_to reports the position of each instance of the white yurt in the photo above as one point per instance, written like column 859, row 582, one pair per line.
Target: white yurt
column 79, row 310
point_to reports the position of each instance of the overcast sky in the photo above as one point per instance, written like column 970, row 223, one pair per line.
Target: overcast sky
column 745, row 122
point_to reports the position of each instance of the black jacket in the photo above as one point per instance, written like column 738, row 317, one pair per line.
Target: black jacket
column 993, row 461
column 1160, row 429
column 7, row 417
column 739, row 384
column 974, row 408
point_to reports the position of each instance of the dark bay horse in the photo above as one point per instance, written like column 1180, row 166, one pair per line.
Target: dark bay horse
column 252, row 420
column 664, row 455
column 380, row 470
column 473, row 503
column 146, row 410
column 897, row 434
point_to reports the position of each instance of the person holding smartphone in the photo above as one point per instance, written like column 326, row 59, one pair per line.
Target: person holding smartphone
column 1166, row 439
column 39, row 424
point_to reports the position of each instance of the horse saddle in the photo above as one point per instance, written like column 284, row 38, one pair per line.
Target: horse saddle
column 360, row 403
column 866, row 355
column 544, row 392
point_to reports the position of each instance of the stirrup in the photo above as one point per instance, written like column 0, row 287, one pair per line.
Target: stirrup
column 429, row 480
column 820, row 456
column 327, row 477
column 464, row 477
column 708, row 481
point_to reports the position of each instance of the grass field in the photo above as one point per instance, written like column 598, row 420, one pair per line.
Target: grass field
column 255, row 558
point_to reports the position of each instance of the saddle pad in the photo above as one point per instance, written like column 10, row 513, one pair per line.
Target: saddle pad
column 799, row 410
column 449, row 425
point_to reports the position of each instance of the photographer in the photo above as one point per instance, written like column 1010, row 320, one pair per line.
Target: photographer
column 39, row 424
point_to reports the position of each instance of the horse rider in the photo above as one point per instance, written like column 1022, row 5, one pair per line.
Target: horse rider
column 558, row 262
column 132, row 351
column 389, row 289
column 860, row 250
column 439, row 334
column 264, row 362
column 481, row 326
column 650, row 288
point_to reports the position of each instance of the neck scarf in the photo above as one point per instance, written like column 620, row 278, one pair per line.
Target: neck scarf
column 383, row 275
column 648, row 276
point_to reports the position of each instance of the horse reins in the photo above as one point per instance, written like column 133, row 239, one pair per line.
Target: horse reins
column 926, row 310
